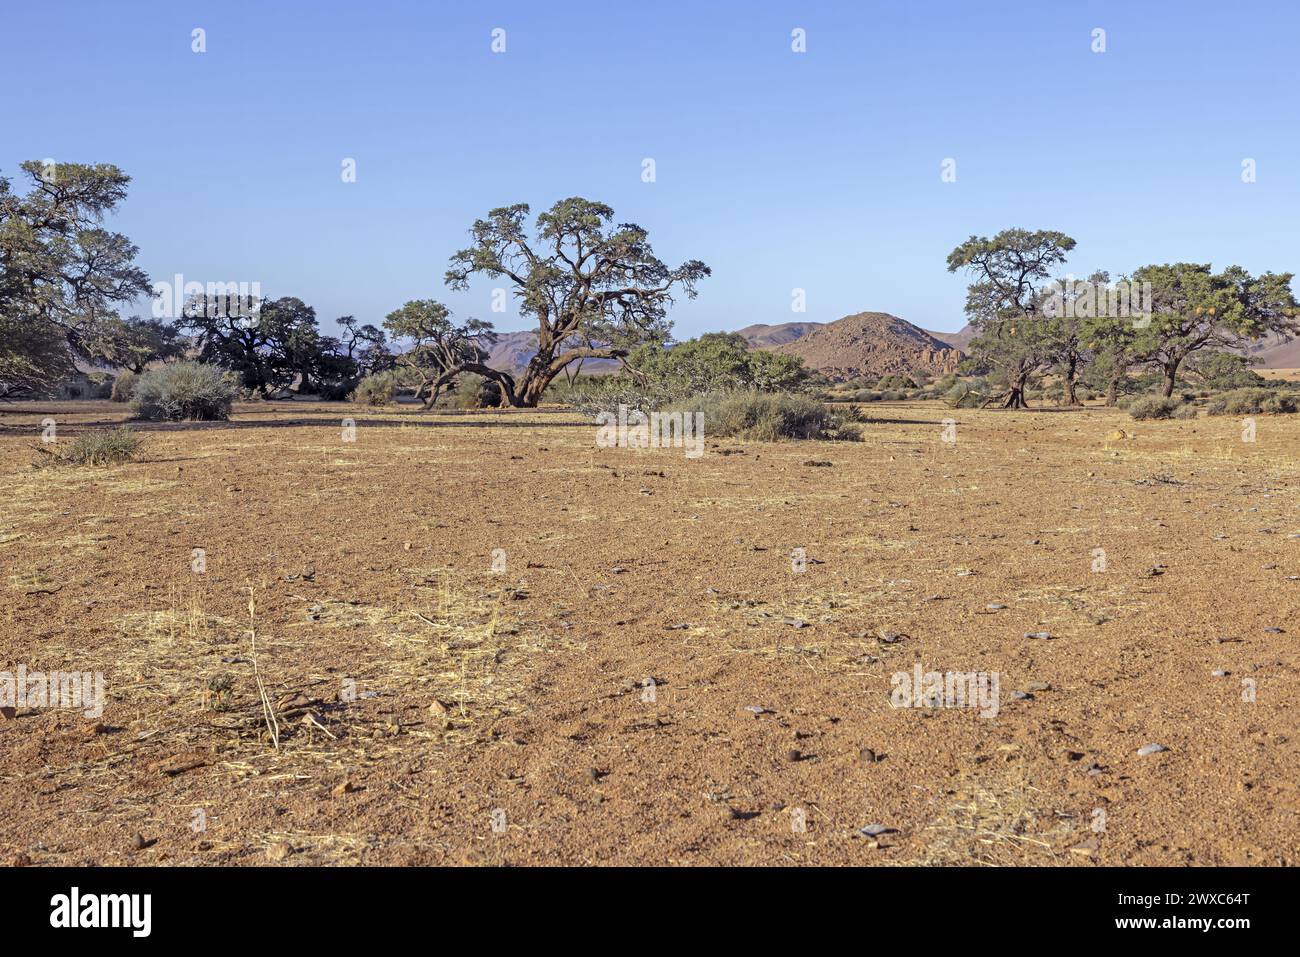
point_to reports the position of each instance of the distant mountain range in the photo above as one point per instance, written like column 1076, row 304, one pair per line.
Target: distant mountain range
column 865, row 344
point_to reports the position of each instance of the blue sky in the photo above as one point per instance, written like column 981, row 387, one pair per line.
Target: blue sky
column 781, row 170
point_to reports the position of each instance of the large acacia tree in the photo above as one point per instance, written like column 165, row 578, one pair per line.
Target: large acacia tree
column 1004, row 302
column 1194, row 309
column 594, row 288
column 62, row 273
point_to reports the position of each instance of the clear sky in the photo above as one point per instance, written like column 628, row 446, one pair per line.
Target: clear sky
column 818, row 170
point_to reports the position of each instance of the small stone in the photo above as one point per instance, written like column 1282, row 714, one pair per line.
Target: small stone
column 888, row 637
column 139, row 843
column 867, row 756
column 1153, row 748
column 1038, row 634
column 680, row 626
column 875, row 830
column 755, row 709
column 994, row 606
column 279, row 851
column 1088, row 848
column 1274, row 631
column 592, row 775
column 1219, row 674
column 1021, row 696
column 1037, row 686
column 794, row 754
column 8, row 714
column 343, row 787
column 794, row 622
column 437, row 708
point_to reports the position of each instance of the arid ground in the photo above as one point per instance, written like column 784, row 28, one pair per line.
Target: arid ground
column 426, row 709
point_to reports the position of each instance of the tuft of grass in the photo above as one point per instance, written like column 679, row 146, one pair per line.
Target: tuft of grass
column 101, row 447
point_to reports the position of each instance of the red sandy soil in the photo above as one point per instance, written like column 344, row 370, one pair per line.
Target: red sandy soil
column 418, row 696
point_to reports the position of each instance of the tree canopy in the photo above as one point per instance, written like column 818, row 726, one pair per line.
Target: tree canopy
column 595, row 289
column 61, row 272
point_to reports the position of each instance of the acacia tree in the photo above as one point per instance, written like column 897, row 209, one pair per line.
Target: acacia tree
column 1110, row 341
column 595, row 290
column 61, row 272
column 1068, row 306
column 440, row 349
column 133, row 343
column 1003, row 304
column 1195, row 309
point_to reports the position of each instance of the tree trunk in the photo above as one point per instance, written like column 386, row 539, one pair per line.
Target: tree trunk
column 1171, row 374
column 1070, row 396
column 1016, row 399
column 1112, row 391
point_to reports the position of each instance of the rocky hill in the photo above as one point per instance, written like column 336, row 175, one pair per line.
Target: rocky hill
column 871, row 344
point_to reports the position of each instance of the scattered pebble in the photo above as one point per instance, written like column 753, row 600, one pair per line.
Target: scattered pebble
column 279, row 851
column 139, row 843
column 875, row 830
column 755, row 709
column 592, row 775
column 1038, row 634
column 1021, row 696
column 1273, row 630
column 867, row 756
column 994, row 606
column 1038, row 686
column 1218, row 674
column 794, row 622
column 1150, row 749
column 680, row 626
column 794, row 754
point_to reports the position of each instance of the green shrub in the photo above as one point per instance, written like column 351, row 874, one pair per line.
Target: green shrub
column 99, row 447
column 1186, row 411
column 184, row 390
column 895, row 382
column 593, row 396
column 377, row 388
column 1154, row 407
column 770, row 416
column 124, row 387
column 474, row 391
column 1253, row 402
column 963, row 396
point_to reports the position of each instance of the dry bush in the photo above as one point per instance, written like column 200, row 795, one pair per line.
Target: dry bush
column 101, row 447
